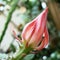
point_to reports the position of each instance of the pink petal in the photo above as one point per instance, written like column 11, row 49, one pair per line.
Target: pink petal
column 16, row 36
column 40, row 24
column 46, row 37
column 28, row 30
column 45, row 40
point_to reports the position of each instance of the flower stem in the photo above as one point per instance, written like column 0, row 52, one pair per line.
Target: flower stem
column 19, row 55
column 22, row 53
column 9, row 18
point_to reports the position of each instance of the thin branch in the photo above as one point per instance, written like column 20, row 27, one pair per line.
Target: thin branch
column 9, row 18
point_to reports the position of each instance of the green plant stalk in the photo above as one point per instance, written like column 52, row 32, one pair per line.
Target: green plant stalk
column 21, row 53
column 9, row 18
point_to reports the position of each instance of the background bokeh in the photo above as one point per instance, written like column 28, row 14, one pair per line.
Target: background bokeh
column 15, row 16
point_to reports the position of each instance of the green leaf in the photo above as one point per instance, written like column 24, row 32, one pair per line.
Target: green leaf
column 29, row 57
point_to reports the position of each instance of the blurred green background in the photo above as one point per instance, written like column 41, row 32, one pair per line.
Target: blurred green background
column 14, row 14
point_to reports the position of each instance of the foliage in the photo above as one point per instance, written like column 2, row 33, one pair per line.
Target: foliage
column 33, row 8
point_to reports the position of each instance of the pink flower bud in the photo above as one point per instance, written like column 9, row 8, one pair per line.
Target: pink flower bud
column 35, row 33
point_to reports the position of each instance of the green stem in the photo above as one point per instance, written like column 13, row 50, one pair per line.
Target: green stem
column 20, row 54
column 9, row 18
